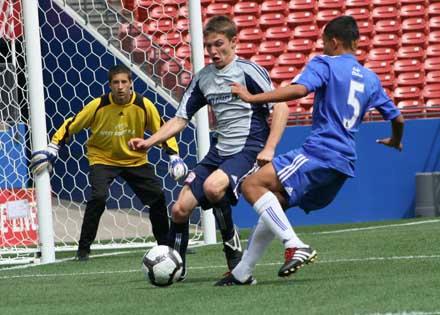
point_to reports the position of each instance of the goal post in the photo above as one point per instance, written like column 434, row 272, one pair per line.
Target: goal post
column 80, row 40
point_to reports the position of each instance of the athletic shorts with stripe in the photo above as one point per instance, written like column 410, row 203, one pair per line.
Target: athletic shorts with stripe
column 236, row 166
column 308, row 182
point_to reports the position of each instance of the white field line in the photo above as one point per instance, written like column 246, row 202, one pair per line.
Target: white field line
column 406, row 313
column 348, row 260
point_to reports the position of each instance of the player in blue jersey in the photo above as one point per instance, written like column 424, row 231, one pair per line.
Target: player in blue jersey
column 310, row 177
column 242, row 135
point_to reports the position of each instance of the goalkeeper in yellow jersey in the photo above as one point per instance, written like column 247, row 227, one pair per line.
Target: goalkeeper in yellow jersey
column 114, row 119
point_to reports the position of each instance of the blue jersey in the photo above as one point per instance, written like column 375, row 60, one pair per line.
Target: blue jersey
column 344, row 92
column 238, row 124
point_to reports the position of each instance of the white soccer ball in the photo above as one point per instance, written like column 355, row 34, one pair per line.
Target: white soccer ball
column 162, row 265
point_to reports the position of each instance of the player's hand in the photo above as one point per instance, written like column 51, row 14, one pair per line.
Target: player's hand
column 390, row 142
column 177, row 167
column 241, row 92
column 265, row 156
column 138, row 144
column 43, row 159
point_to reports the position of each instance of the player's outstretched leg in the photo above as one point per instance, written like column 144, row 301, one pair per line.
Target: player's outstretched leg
column 231, row 239
column 179, row 236
column 295, row 258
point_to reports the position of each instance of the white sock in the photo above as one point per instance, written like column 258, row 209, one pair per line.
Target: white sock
column 273, row 215
column 260, row 239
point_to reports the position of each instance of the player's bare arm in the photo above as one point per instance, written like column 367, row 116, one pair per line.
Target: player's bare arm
column 279, row 120
column 282, row 94
column 395, row 141
column 168, row 130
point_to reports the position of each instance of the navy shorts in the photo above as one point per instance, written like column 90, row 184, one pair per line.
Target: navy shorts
column 236, row 166
column 309, row 183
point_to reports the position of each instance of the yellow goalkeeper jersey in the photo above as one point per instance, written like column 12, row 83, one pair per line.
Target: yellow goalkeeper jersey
column 111, row 127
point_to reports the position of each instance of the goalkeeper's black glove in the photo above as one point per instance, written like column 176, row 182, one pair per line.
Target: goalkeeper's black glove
column 44, row 158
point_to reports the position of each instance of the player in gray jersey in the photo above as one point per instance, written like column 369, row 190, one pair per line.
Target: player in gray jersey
column 242, row 135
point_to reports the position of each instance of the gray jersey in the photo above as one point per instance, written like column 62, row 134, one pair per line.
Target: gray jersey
column 238, row 124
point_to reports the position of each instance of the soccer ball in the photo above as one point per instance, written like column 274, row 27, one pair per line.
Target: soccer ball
column 162, row 265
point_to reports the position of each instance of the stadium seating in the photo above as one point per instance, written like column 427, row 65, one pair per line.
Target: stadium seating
column 303, row 5
column 299, row 18
column 251, row 34
column 247, row 7
column 385, row 13
column 411, row 52
column 411, row 79
column 271, row 19
column 382, row 54
column 412, row 10
column 272, row 47
column 280, row 73
column 387, row 27
column 296, row 59
column 267, row 61
column 274, row 6
column 407, row 65
column 278, row 33
column 303, row 45
column 417, row 24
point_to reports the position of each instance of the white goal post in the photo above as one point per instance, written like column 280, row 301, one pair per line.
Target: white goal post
column 62, row 64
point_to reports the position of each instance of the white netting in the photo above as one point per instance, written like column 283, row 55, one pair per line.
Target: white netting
column 80, row 40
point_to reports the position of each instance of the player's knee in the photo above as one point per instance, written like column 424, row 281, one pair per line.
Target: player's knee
column 246, row 186
column 179, row 214
column 213, row 192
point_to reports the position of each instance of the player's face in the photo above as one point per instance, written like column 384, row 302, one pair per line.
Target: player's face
column 220, row 49
column 120, row 87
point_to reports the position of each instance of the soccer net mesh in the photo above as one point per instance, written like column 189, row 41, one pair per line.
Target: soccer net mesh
column 80, row 40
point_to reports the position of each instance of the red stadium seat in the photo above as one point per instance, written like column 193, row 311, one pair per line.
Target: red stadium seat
column 182, row 25
column 325, row 16
column 432, row 77
column 278, row 33
column 252, row 34
column 407, row 93
column 280, row 73
column 271, row 19
column 142, row 9
column 300, row 17
column 414, row 25
column 274, row 6
column 306, row 31
column 434, row 9
column 393, row 3
column 387, row 26
column 433, row 107
column 218, row 9
column 411, row 52
column 267, row 61
column 272, row 47
column 183, row 52
column 246, row 49
column 244, row 21
column 331, row 4
column 434, row 23
column 366, row 27
column 360, row 14
column 411, row 79
column 412, row 10
column 432, row 64
column 303, row 5
column 303, row 45
column 162, row 25
column 247, row 7
column 387, row 80
column 414, row 39
column 422, row 2
column 183, row 11
column 385, row 13
column 411, row 108
column 434, row 37
column 292, row 59
column 407, row 65
column 163, row 11
column 382, row 54
column 431, row 91
column 170, row 38
column 141, row 47
column 379, row 67
column 433, row 51
column 361, row 55
column 367, row 4
column 386, row 40
column 231, row 2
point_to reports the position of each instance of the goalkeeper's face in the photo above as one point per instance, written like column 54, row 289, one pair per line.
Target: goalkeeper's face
column 120, row 87
column 220, row 48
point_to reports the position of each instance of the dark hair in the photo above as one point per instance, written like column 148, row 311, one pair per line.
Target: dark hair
column 221, row 24
column 118, row 69
column 343, row 28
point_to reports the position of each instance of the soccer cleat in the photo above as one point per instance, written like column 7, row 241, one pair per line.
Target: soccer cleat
column 229, row 280
column 295, row 258
column 233, row 251
column 183, row 275
column 82, row 255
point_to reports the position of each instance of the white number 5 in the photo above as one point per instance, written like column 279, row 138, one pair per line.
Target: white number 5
column 353, row 102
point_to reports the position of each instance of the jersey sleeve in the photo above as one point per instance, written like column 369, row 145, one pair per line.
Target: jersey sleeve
column 384, row 105
column 76, row 123
column 155, row 122
column 192, row 100
column 315, row 75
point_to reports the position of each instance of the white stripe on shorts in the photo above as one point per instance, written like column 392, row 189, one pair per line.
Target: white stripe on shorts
column 286, row 172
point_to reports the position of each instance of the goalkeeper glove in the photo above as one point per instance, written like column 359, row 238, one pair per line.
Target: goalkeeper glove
column 43, row 159
column 177, row 167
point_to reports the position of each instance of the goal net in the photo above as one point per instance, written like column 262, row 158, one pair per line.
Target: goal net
column 80, row 40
